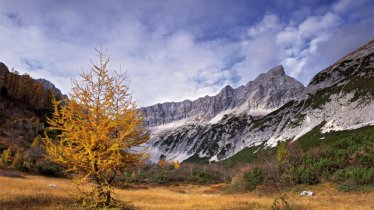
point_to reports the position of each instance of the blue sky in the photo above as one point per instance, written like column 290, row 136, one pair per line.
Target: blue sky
column 174, row 50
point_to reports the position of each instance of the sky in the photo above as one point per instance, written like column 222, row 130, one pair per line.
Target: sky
column 181, row 49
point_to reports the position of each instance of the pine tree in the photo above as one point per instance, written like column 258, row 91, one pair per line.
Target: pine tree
column 96, row 130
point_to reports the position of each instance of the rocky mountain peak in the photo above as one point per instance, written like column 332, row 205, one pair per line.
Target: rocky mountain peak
column 267, row 92
column 276, row 71
column 225, row 90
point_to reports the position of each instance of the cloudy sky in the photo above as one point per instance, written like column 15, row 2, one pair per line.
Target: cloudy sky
column 179, row 49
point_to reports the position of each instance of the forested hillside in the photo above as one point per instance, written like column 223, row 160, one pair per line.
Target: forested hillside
column 24, row 105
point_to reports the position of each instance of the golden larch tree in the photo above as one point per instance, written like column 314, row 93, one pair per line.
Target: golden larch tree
column 95, row 130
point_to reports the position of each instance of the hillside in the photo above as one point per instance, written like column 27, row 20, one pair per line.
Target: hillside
column 24, row 105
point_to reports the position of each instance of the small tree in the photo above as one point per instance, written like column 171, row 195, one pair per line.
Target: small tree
column 95, row 131
column 282, row 152
column 253, row 178
column 6, row 156
column 177, row 165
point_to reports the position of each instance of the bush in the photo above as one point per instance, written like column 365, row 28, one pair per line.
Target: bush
column 22, row 166
column 362, row 175
column 307, row 176
column 253, row 178
column 160, row 178
column 301, row 176
column 6, row 156
column 205, row 176
column 341, row 175
column 366, row 160
column 323, row 165
column 176, row 173
column 237, row 183
column 49, row 169
column 347, row 187
column 356, row 176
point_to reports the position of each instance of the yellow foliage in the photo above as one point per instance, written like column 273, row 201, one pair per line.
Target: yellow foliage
column 162, row 163
column 36, row 142
column 6, row 156
column 281, row 152
column 177, row 165
column 96, row 129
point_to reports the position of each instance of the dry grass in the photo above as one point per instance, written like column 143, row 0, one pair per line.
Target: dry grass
column 32, row 192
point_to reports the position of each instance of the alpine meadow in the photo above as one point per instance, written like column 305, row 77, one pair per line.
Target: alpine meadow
column 187, row 104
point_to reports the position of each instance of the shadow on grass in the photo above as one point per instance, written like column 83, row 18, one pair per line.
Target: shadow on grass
column 47, row 202
column 11, row 174
column 52, row 202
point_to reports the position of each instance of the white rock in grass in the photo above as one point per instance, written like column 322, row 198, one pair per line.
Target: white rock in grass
column 52, row 186
column 306, row 193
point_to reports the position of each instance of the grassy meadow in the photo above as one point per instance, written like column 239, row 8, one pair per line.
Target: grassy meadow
column 21, row 191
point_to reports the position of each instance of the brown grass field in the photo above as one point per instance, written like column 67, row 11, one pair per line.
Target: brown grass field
column 32, row 192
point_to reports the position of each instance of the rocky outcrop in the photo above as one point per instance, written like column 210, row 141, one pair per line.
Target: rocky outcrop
column 3, row 70
column 47, row 85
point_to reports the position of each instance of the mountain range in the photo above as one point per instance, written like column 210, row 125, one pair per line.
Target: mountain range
column 272, row 108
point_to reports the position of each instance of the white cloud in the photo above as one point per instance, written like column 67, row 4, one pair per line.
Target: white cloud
column 163, row 65
column 341, row 5
column 165, row 56
column 314, row 25
column 272, row 42
column 268, row 23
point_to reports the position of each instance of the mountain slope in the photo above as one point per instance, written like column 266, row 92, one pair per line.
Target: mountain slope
column 24, row 105
column 338, row 98
column 182, row 129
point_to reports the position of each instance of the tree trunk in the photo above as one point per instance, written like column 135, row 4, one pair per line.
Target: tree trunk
column 107, row 199
column 103, row 197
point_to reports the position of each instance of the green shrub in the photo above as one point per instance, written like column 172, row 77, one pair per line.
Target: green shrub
column 253, row 178
column 323, row 165
column 362, row 175
column 237, row 183
column 301, row 176
column 307, row 176
column 348, row 187
column 22, row 166
column 49, row 169
column 205, row 176
column 356, row 175
column 160, row 178
column 6, row 156
column 341, row 175
column 366, row 160
column 234, row 187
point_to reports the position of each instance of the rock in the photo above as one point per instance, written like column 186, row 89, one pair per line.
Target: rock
column 52, row 186
column 47, row 85
column 306, row 193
